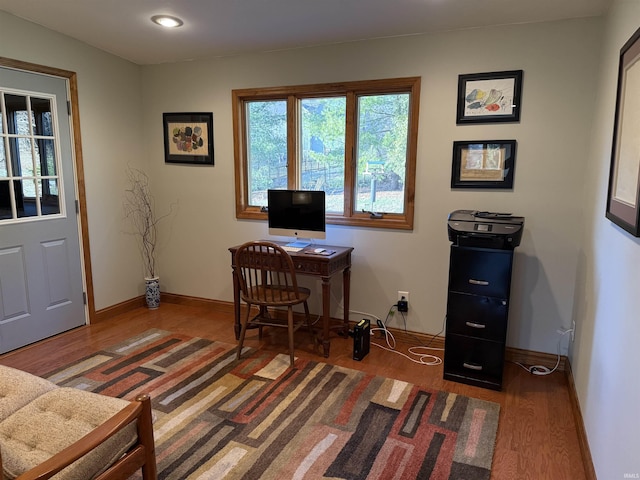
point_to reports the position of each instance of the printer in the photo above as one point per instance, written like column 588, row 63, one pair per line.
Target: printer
column 473, row 228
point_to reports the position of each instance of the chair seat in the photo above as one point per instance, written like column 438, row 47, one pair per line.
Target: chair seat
column 55, row 420
column 275, row 296
column 17, row 388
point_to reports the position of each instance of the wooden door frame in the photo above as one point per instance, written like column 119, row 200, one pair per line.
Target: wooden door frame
column 79, row 167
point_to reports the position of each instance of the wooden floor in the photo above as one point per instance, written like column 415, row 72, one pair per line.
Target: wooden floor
column 537, row 436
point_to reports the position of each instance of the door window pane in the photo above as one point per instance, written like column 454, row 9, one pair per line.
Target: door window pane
column 49, row 200
column 383, row 125
column 322, row 144
column 46, row 158
column 41, row 108
column 5, row 200
column 266, row 148
column 25, row 202
column 3, row 160
column 28, row 158
column 25, row 157
column 17, row 115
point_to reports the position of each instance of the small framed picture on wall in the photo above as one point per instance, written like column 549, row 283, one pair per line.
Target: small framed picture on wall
column 483, row 164
column 188, row 138
column 489, row 97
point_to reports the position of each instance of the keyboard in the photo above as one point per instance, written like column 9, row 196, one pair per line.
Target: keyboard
column 289, row 248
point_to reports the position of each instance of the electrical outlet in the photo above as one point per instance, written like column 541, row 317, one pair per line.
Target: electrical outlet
column 573, row 330
column 403, row 301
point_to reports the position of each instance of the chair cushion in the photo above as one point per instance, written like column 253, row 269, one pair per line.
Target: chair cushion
column 17, row 388
column 54, row 421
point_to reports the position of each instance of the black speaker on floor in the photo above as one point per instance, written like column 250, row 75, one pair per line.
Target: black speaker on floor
column 361, row 339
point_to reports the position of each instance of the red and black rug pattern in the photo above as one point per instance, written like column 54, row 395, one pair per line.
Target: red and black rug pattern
column 218, row 418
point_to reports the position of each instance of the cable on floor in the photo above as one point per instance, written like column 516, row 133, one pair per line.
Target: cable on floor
column 541, row 370
column 420, row 358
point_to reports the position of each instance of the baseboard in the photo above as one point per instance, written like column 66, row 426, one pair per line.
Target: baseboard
column 123, row 307
column 587, row 460
column 529, row 357
column 217, row 305
column 137, row 302
column 516, row 355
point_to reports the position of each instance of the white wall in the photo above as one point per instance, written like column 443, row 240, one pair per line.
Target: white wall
column 605, row 354
column 568, row 266
column 121, row 108
column 110, row 122
column 558, row 60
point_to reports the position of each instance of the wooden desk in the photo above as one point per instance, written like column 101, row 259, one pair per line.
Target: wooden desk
column 323, row 266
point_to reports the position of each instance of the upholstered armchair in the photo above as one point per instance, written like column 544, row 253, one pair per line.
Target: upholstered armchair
column 46, row 430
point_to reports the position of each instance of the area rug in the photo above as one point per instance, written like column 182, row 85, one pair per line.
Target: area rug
column 216, row 418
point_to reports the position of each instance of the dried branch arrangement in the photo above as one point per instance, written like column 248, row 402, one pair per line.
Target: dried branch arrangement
column 139, row 209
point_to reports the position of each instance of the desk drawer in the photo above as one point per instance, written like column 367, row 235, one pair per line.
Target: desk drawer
column 480, row 271
column 307, row 267
column 472, row 360
column 477, row 316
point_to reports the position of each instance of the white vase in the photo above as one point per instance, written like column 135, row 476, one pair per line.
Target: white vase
column 152, row 292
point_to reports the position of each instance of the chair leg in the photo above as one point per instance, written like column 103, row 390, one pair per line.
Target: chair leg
column 263, row 313
column 243, row 331
column 290, row 328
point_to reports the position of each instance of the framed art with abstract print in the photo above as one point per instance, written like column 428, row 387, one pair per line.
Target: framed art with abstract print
column 624, row 172
column 483, row 164
column 188, row 138
column 489, row 97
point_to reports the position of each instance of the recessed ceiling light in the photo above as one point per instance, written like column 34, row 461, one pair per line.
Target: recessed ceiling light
column 167, row 21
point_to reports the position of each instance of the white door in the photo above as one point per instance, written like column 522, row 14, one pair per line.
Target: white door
column 41, row 271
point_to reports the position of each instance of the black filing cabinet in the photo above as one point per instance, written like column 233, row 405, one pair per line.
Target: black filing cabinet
column 477, row 311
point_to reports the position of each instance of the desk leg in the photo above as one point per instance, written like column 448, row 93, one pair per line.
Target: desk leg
column 346, row 289
column 236, row 306
column 326, row 314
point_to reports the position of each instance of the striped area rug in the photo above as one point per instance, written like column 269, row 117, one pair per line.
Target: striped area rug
column 216, row 418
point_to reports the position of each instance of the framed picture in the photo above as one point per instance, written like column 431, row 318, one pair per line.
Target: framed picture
column 188, row 138
column 483, row 164
column 622, row 199
column 489, row 97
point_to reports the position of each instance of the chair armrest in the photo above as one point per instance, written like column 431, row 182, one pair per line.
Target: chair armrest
column 143, row 449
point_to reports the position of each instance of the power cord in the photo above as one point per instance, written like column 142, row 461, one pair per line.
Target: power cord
column 407, row 333
column 391, row 341
column 420, row 357
column 541, row 370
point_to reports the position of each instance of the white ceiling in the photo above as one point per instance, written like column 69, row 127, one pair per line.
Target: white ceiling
column 215, row 28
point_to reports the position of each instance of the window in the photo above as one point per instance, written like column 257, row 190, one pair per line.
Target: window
column 29, row 180
column 356, row 141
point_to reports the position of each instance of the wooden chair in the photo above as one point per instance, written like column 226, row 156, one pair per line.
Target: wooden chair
column 267, row 278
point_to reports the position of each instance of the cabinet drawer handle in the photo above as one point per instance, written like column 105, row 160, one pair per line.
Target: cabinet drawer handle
column 475, row 325
column 471, row 366
column 478, row 282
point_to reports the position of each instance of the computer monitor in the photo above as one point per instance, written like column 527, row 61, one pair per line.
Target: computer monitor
column 297, row 213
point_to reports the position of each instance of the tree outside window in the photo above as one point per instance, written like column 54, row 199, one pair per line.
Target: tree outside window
column 356, row 141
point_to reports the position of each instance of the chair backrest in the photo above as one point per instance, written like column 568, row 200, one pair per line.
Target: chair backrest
column 266, row 274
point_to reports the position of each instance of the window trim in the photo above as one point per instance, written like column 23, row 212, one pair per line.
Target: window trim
column 351, row 90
